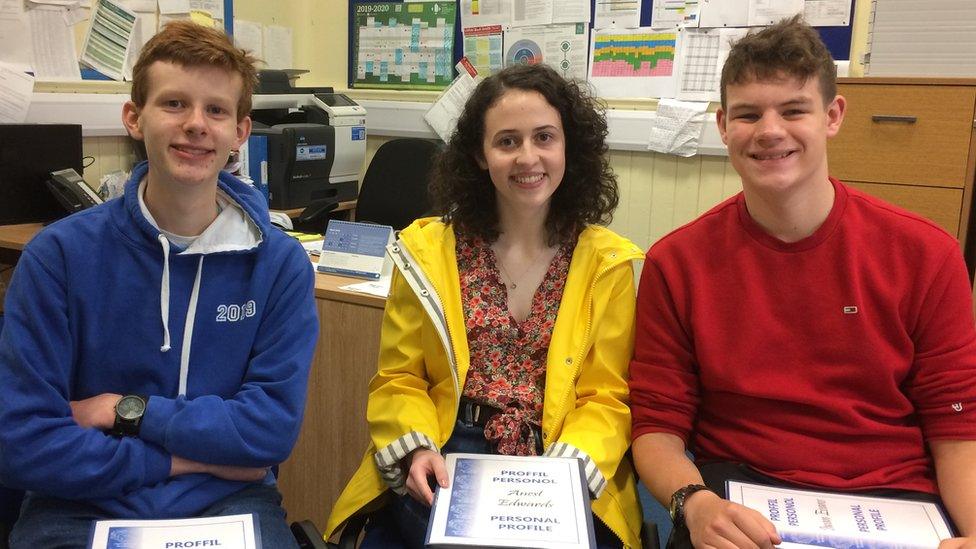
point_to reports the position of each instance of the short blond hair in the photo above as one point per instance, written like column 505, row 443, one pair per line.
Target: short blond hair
column 188, row 44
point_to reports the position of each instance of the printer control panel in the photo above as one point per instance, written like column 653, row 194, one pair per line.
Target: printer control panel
column 342, row 111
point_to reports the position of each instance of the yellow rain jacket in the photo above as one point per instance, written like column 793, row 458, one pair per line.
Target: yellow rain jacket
column 424, row 360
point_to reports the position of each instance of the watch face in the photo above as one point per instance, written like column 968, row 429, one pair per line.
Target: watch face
column 130, row 407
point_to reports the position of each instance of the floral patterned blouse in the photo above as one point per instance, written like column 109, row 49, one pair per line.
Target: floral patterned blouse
column 508, row 358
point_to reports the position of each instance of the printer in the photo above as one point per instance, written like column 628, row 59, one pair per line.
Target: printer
column 306, row 144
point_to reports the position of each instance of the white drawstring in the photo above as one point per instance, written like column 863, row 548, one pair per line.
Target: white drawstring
column 164, row 293
column 191, row 315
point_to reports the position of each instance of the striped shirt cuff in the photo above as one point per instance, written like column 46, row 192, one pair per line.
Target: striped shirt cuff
column 594, row 478
column 388, row 459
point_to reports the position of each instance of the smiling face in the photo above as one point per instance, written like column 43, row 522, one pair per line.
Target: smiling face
column 188, row 122
column 524, row 151
column 776, row 131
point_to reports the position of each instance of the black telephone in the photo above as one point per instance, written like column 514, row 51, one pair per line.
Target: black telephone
column 71, row 190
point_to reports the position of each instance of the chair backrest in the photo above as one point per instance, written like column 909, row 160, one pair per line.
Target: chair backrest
column 394, row 189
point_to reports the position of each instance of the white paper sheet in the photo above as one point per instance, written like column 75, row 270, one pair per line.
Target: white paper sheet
column 570, row 11
column 617, row 14
column 677, row 127
column 562, row 47
column 692, row 14
column 109, row 38
column 170, row 7
column 55, row 57
column 174, row 6
column 75, row 15
column 489, row 497
column 483, row 13
column 723, row 13
column 827, row 13
column 483, row 48
column 15, row 35
column 531, row 12
column 807, row 518
column 380, row 288
column 16, row 88
column 146, row 24
column 703, row 52
column 667, row 13
column 60, row 3
column 278, row 47
column 141, row 6
column 443, row 114
column 647, row 68
column 214, row 7
column 768, row 12
column 247, row 35
column 224, row 531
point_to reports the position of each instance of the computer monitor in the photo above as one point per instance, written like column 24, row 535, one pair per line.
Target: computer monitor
column 28, row 154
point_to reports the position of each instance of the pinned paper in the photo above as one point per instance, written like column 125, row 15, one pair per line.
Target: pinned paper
column 204, row 18
column 677, row 127
column 109, row 38
column 16, row 88
column 443, row 114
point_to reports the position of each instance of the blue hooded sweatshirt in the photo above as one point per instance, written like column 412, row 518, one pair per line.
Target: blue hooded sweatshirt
column 220, row 337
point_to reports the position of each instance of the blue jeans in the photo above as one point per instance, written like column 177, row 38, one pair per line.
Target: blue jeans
column 403, row 523
column 52, row 523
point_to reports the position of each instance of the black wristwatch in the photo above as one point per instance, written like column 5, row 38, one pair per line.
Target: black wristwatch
column 128, row 415
column 677, row 507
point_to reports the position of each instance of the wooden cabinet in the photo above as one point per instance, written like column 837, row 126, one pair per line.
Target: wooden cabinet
column 911, row 141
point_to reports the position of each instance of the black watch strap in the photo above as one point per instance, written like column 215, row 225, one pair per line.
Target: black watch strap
column 678, row 498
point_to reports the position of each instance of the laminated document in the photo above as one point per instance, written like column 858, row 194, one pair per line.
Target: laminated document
column 227, row 531
column 807, row 518
column 512, row 501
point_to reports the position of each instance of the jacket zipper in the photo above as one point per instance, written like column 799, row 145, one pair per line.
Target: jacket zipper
column 425, row 286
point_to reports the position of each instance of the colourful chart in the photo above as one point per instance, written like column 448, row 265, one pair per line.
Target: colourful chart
column 638, row 54
column 524, row 52
column 404, row 45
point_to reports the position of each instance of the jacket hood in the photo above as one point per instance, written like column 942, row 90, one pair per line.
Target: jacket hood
column 242, row 227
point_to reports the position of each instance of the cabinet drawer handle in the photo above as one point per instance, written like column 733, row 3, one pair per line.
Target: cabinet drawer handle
column 894, row 118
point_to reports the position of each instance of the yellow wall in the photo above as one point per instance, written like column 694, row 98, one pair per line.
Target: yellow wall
column 319, row 31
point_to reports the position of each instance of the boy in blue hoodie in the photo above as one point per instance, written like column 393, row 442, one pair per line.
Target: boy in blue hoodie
column 156, row 349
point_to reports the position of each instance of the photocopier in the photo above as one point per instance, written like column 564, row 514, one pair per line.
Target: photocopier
column 306, row 144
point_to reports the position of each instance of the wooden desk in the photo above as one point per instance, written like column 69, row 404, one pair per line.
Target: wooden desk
column 334, row 433
column 15, row 237
column 347, row 206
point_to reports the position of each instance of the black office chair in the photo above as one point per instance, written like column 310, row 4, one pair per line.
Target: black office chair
column 394, row 189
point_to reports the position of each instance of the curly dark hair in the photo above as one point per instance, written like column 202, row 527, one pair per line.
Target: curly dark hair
column 789, row 47
column 463, row 192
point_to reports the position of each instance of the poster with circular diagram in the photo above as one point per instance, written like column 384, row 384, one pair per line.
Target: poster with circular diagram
column 563, row 47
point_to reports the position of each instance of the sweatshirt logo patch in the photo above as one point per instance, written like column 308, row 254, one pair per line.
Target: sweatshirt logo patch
column 235, row 312
column 957, row 406
column 850, row 310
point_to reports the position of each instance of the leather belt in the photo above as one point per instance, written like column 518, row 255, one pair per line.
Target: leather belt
column 476, row 413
